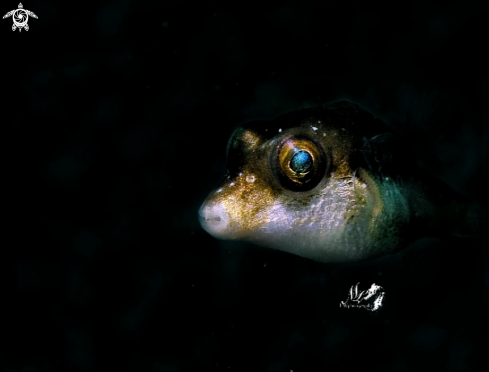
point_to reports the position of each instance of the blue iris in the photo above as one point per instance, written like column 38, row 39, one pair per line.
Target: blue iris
column 301, row 162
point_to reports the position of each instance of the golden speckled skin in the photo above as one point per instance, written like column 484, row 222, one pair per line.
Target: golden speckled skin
column 360, row 199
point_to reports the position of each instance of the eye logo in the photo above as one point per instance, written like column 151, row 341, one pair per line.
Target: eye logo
column 20, row 17
column 370, row 299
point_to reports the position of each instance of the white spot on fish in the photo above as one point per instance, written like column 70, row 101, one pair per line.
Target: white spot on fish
column 218, row 191
column 250, row 178
column 324, row 134
column 319, row 121
column 240, row 174
column 280, row 130
column 314, row 128
column 231, row 184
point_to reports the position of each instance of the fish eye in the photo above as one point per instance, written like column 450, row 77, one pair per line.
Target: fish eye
column 299, row 164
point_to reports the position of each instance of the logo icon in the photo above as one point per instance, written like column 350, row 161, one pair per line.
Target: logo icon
column 370, row 299
column 20, row 17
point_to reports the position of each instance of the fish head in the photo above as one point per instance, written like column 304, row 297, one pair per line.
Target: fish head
column 303, row 183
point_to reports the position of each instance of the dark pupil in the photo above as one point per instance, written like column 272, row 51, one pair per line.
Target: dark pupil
column 301, row 162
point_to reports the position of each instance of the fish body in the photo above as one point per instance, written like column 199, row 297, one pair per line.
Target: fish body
column 332, row 184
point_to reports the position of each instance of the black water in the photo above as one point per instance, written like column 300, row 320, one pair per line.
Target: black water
column 115, row 119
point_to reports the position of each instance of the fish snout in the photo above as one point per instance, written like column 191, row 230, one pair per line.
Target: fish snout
column 214, row 219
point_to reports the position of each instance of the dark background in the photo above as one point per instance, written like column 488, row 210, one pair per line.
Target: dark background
column 115, row 119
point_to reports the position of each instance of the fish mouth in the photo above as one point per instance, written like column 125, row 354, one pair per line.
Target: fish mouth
column 215, row 220
column 204, row 218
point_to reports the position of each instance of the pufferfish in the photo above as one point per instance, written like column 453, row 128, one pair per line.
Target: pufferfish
column 331, row 184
